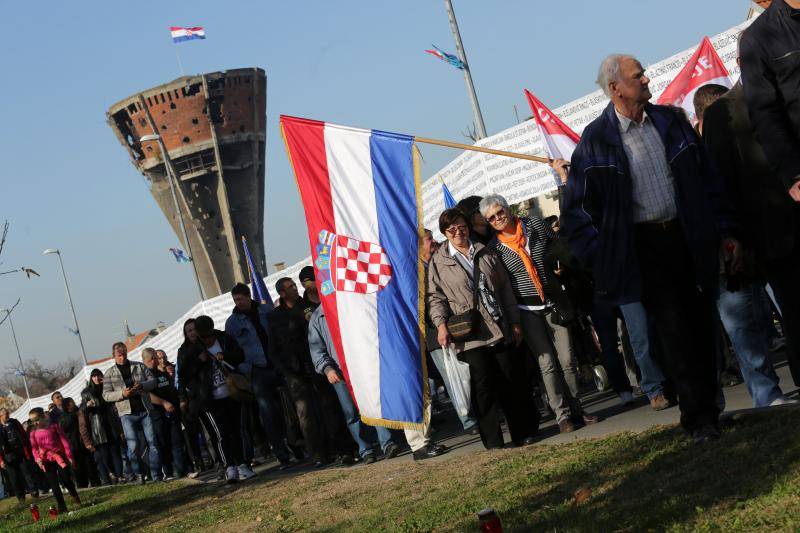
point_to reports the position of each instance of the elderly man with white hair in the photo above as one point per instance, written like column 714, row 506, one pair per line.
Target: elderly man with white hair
column 644, row 209
column 520, row 242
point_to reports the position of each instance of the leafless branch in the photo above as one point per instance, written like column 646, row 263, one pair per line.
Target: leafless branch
column 9, row 311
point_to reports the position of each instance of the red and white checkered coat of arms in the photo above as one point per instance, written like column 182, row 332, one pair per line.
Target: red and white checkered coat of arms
column 361, row 266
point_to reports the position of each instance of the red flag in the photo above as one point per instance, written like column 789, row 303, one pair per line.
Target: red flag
column 704, row 67
column 559, row 139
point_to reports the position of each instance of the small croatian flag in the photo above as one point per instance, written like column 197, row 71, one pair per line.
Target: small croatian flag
column 180, row 34
column 180, row 257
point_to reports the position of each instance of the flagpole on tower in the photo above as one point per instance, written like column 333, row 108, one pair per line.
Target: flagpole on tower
column 178, row 57
column 462, row 55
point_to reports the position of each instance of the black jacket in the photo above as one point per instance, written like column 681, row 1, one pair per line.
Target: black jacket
column 195, row 376
column 288, row 341
column 597, row 212
column 101, row 423
column 770, row 57
column 765, row 210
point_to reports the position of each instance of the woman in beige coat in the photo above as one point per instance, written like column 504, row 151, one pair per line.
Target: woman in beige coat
column 497, row 370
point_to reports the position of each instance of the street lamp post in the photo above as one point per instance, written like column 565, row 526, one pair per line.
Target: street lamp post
column 69, row 299
column 21, row 366
column 170, row 178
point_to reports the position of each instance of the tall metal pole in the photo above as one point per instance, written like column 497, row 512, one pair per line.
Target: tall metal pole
column 72, row 308
column 462, row 55
column 170, row 177
column 21, row 366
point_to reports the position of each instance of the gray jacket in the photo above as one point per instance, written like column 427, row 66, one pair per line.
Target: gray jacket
column 113, row 385
column 320, row 344
column 449, row 294
column 241, row 328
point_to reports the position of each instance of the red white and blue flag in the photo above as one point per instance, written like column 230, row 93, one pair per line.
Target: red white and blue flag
column 180, row 34
column 360, row 191
column 559, row 139
column 447, row 58
column 704, row 67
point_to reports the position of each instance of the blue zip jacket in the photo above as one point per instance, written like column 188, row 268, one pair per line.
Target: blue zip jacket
column 597, row 205
column 320, row 344
column 241, row 328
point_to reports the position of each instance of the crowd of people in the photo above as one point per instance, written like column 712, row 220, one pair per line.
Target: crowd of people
column 676, row 247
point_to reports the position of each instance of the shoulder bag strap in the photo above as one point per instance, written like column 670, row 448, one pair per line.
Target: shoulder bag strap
column 476, row 277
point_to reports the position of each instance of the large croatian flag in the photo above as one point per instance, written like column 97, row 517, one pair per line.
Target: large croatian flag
column 559, row 139
column 360, row 192
column 180, row 34
column 704, row 67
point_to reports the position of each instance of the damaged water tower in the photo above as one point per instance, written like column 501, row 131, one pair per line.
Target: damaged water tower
column 213, row 127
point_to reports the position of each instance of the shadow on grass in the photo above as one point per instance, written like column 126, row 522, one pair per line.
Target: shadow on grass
column 660, row 479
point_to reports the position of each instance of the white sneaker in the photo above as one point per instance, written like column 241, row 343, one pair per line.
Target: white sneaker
column 245, row 472
column 626, row 398
column 232, row 474
column 782, row 400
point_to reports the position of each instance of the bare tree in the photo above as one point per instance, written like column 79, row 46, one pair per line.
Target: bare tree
column 42, row 379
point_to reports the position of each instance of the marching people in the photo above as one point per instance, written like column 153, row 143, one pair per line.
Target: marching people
column 520, row 243
column 193, row 430
column 207, row 393
column 52, row 454
column 100, row 429
column 471, row 303
column 85, row 469
column 769, row 81
column 15, row 455
column 323, row 428
column 167, row 419
column 288, row 351
column 763, row 204
column 326, row 363
column 127, row 385
column 248, row 325
column 640, row 211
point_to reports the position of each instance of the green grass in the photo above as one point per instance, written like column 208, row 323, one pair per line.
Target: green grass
column 656, row 480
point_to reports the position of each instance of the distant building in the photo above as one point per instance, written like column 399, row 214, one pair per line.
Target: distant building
column 214, row 129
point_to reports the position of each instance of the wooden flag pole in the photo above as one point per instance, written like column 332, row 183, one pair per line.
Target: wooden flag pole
column 460, row 146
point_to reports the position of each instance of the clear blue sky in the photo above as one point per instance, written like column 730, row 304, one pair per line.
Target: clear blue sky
column 66, row 182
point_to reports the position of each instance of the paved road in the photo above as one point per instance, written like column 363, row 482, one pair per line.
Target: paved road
column 614, row 418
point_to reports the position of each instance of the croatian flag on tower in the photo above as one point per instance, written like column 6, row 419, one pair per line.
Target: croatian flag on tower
column 704, row 67
column 180, row 34
column 360, row 191
column 559, row 139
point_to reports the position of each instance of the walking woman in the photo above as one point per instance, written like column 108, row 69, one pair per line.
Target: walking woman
column 53, row 456
column 497, row 375
column 203, row 386
column 520, row 243
column 100, row 429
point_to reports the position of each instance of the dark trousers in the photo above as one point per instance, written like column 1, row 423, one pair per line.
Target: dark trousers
column 54, row 474
column 223, row 419
column 337, row 438
column 683, row 319
column 301, row 390
column 604, row 317
column 498, row 381
column 108, row 460
column 170, row 443
column 16, row 477
column 782, row 275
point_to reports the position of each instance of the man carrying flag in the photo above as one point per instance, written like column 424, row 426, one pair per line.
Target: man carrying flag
column 704, row 67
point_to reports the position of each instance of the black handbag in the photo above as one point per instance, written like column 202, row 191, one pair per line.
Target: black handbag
column 463, row 326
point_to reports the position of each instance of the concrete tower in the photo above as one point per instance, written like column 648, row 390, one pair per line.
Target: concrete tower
column 214, row 129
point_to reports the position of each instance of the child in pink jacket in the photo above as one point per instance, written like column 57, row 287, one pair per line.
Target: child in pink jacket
column 52, row 453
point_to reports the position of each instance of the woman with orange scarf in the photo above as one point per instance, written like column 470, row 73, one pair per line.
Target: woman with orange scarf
column 521, row 242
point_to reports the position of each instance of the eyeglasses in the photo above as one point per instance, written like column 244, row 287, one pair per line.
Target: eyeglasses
column 500, row 215
column 452, row 230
